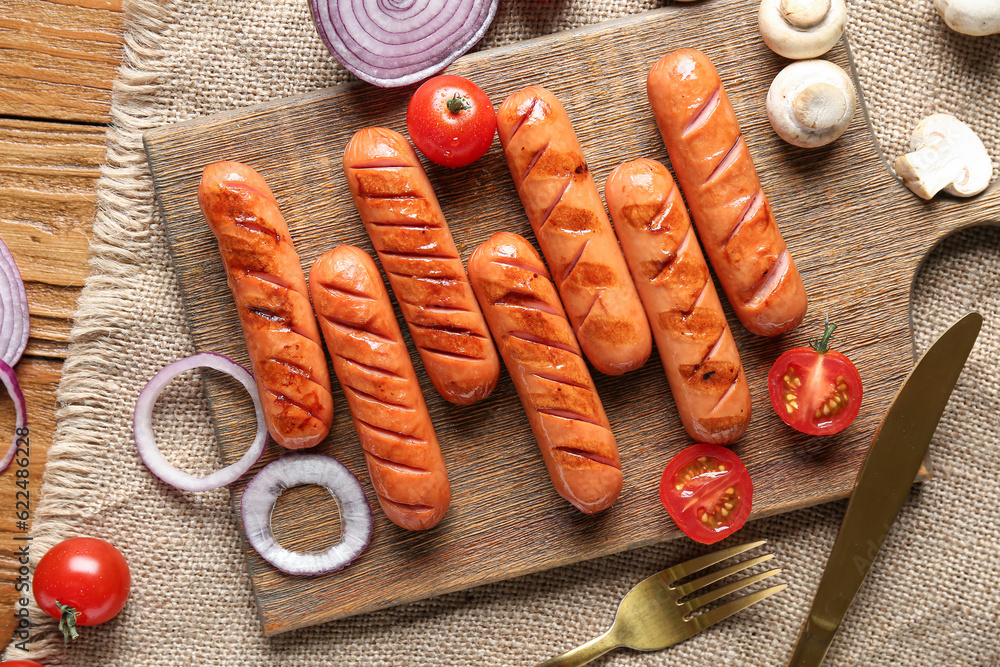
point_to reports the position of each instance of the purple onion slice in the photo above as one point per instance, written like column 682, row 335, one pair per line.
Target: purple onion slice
column 14, row 320
column 393, row 43
column 20, row 412
column 142, row 425
column 262, row 492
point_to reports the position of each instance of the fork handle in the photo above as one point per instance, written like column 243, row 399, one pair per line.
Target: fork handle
column 584, row 653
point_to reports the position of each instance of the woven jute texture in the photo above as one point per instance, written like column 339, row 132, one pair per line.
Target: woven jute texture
column 933, row 597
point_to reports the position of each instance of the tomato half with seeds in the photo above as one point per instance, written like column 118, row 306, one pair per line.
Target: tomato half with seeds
column 707, row 491
column 814, row 389
column 451, row 120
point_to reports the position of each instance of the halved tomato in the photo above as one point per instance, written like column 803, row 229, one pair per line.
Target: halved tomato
column 815, row 390
column 707, row 491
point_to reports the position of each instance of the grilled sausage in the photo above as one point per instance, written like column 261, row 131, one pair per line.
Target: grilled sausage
column 373, row 366
column 696, row 346
column 266, row 279
column 413, row 242
column 564, row 207
column 543, row 358
column 732, row 214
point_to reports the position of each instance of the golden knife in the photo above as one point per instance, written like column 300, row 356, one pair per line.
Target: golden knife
column 883, row 484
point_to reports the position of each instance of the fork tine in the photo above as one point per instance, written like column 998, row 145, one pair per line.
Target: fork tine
column 722, row 591
column 719, row 575
column 689, row 567
column 713, row 616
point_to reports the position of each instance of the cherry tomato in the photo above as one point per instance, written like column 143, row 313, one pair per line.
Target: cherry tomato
column 451, row 120
column 815, row 390
column 707, row 491
column 81, row 581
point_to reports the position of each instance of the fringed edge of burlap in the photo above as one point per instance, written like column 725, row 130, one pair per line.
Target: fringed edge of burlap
column 124, row 208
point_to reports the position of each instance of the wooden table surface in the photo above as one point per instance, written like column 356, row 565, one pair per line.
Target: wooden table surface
column 58, row 60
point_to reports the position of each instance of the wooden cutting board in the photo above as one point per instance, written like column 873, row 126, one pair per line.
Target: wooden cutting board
column 857, row 236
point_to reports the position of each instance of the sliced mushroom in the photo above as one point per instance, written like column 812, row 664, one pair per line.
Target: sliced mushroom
column 800, row 29
column 971, row 17
column 811, row 103
column 947, row 155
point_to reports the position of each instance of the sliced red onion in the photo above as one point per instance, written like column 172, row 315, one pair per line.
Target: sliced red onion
column 142, row 425
column 262, row 492
column 14, row 320
column 20, row 412
column 398, row 42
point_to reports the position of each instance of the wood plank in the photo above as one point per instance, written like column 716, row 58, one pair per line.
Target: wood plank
column 48, row 174
column 38, row 379
column 857, row 236
column 58, row 58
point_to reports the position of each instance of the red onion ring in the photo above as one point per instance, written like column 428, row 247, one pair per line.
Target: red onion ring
column 393, row 43
column 262, row 492
column 20, row 412
column 145, row 442
column 14, row 320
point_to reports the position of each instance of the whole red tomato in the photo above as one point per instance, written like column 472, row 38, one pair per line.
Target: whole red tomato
column 707, row 491
column 815, row 390
column 81, row 581
column 451, row 120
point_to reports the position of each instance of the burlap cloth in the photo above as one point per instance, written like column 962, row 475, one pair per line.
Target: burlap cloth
column 933, row 597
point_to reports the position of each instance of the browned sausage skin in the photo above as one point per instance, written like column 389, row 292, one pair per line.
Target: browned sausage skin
column 408, row 230
column 564, row 207
column 721, row 186
column 373, row 366
column 543, row 358
column 272, row 300
column 696, row 346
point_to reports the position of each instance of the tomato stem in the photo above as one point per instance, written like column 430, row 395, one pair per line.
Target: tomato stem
column 67, row 623
column 458, row 104
column 822, row 344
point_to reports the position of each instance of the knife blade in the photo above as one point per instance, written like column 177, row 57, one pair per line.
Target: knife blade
column 899, row 446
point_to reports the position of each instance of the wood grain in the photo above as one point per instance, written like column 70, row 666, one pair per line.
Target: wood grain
column 856, row 234
column 48, row 174
column 38, row 379
column 58, row 58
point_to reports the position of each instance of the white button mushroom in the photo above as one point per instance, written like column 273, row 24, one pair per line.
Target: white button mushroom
column 947, row 155
column 970, row 17
column 800, row 29
column 811, row 103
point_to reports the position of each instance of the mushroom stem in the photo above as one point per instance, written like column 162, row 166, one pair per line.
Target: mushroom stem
column 819, row 106
column 947, row 155
column 930, row 169
column 804, row 14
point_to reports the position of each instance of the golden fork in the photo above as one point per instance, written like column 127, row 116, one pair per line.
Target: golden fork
column 655, row 614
